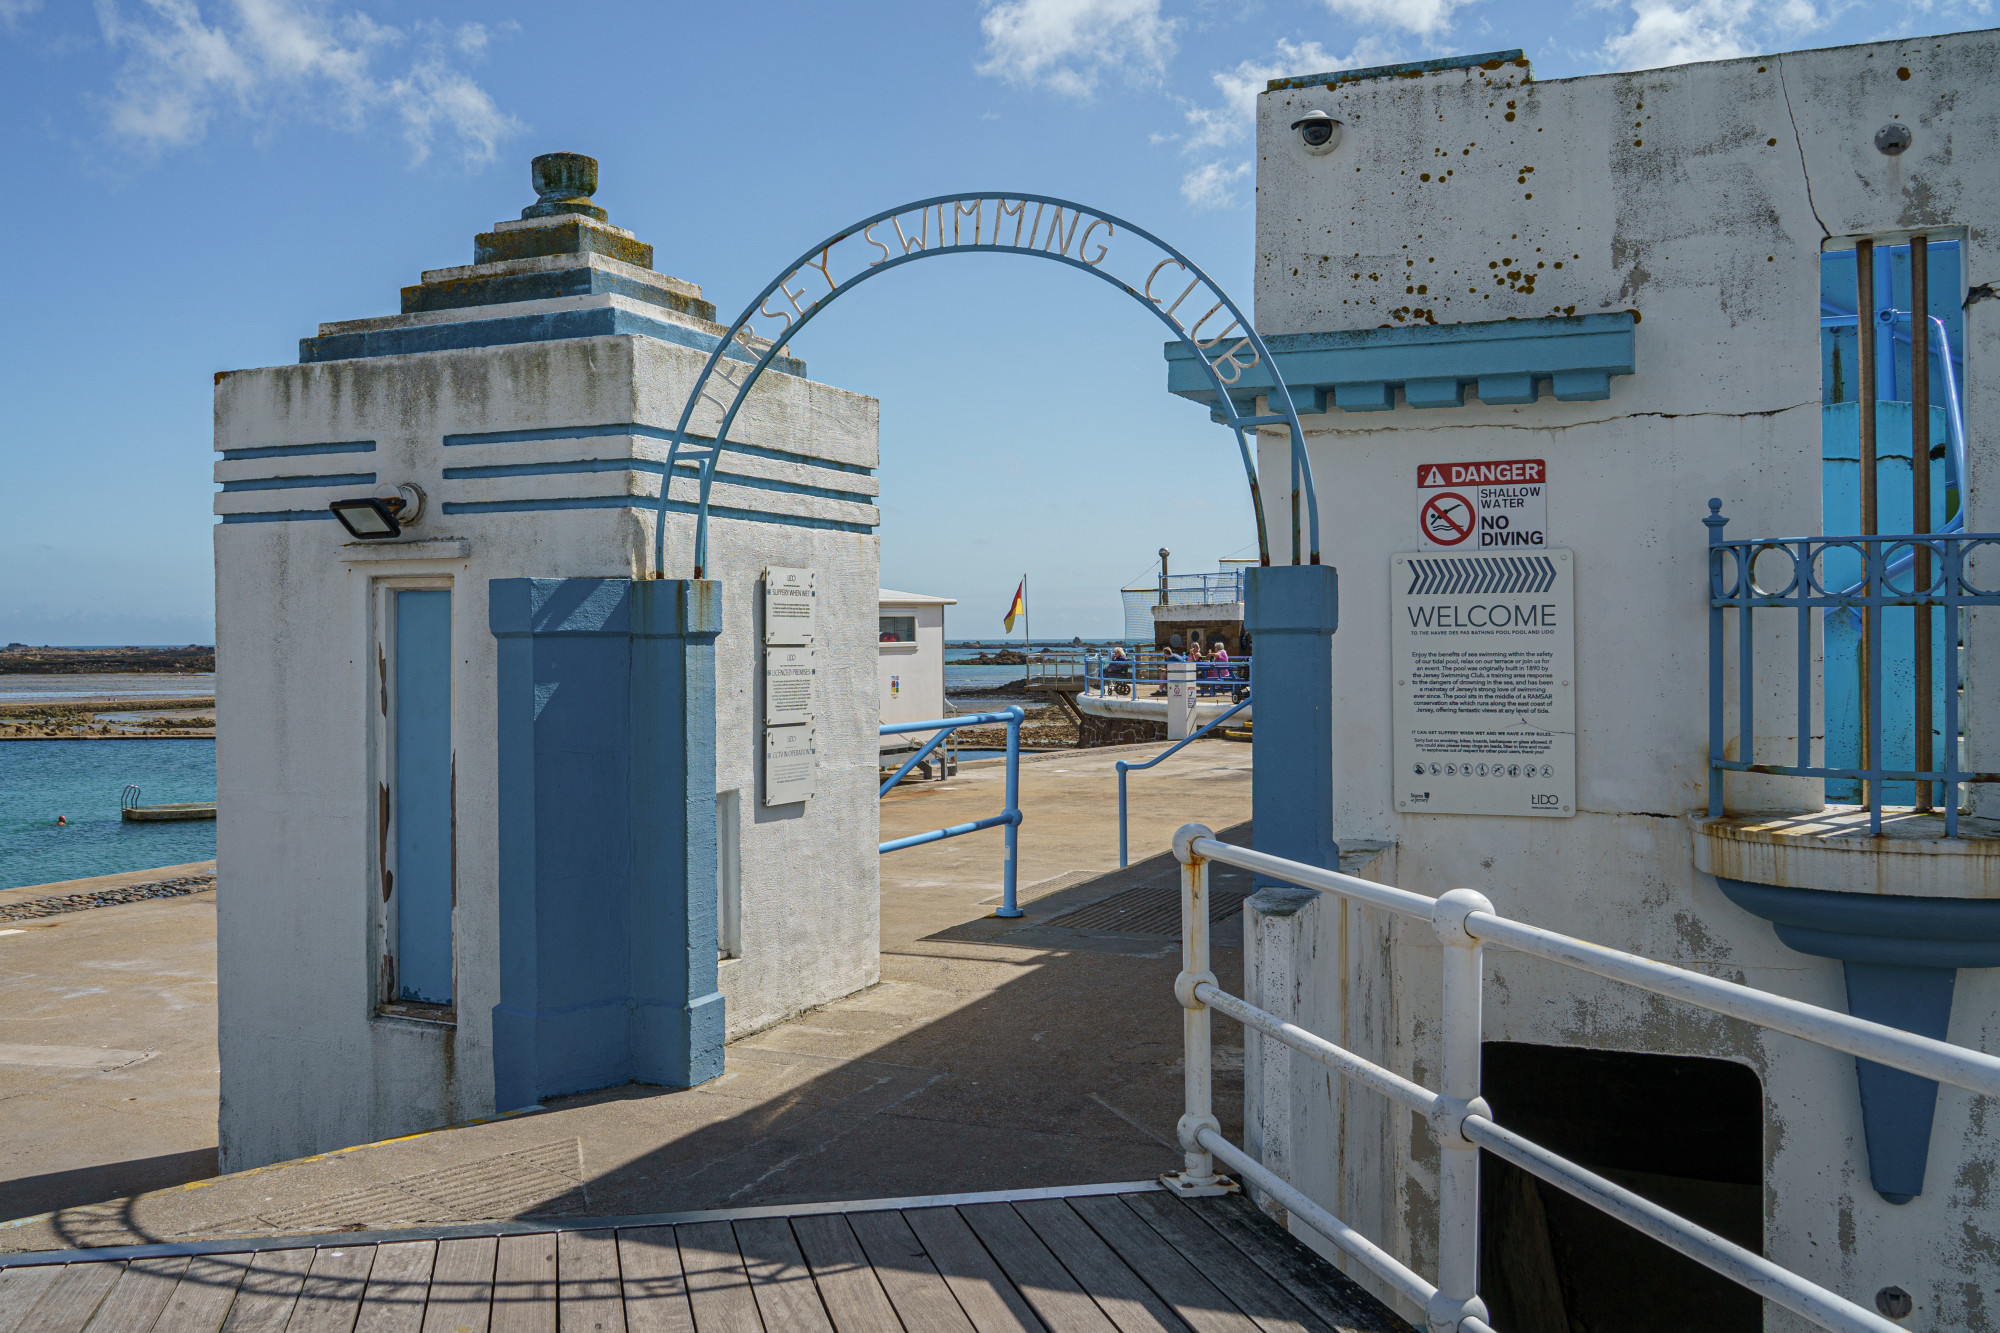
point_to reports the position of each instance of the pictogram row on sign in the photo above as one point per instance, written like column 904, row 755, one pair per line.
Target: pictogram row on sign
column 1483, row 574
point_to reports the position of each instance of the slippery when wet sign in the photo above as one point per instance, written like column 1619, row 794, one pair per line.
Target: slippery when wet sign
column 1485, row 506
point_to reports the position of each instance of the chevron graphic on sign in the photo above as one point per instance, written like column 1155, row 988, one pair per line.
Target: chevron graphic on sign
column 1483, row 574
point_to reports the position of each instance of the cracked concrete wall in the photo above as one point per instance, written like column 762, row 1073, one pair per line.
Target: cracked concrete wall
column 1699, row 198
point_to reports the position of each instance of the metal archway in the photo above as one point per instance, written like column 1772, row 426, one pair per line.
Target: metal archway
column 1055, row 244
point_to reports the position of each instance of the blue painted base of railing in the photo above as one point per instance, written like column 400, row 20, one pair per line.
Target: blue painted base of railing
column 1291, row 612
column 1901, row 956
column 1010, row 817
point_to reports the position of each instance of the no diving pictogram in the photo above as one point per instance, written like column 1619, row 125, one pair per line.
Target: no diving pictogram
column 1447, row 518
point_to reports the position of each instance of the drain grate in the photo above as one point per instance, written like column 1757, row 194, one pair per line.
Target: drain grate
column 1153, row 909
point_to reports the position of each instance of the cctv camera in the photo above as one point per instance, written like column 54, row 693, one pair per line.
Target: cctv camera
column 1319, row 132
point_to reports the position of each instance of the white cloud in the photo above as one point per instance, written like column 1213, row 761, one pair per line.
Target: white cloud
column 1426, row 18
column 1068, row 45
column 1212, row 185
column 259, row 58
column 1217, row 127
column 13, row 11
column 1665, row 33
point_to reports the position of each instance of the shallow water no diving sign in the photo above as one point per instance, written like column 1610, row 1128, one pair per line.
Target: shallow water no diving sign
column 1484, row 655
column 1501, row 505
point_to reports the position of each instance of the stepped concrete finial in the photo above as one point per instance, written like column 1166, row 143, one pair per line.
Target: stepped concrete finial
column 564, row 183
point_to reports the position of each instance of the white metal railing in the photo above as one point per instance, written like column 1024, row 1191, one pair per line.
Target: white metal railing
column 1460, row 1119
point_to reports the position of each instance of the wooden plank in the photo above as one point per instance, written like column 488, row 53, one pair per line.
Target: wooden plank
column 779, row 1278
column 922, row 1298
column 718, row 1288
column 588, row 1299
column 269, row 1293
column 398, row 1286
column 461, row 1290
column 330, row 1300
column 1319, row 1286
column 201, row 1298
column 1119, row 1292
column 983, row 1291
column 21, row 1289
column 1057, row 1298
column 524, row 1284
column 656, row 1297
column 1269, row 1305
column 72, row 1298
column 1199, row 1302
column 854, row 1298
column 142, row 1292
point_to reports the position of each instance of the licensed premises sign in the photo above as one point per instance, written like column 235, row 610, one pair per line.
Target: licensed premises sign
column 1485, row 683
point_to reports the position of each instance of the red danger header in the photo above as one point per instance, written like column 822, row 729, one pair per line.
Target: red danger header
column 1481, row 474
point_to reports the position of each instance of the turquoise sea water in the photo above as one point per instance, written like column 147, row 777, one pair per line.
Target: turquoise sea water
column 40, row 780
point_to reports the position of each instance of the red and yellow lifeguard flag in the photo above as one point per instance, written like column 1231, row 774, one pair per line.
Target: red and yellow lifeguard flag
column 1017, row 606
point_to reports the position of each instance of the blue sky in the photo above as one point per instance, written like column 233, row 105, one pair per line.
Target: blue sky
column 194, row 184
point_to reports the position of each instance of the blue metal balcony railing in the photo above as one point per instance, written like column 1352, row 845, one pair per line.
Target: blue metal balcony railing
column 1202, row 589
column 1881, row 702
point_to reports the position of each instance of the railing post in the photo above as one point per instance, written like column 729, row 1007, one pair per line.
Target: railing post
column 1198, row 1175
column 1008, row 907
column 1715, row 522
column 1122, row 768
column 1457, row 1296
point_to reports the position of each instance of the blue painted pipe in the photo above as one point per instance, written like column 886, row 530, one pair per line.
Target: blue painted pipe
column 1124, row 768
column 1011, row 816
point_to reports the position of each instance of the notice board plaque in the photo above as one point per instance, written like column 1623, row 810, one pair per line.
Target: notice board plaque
column 791, row 599
column 791, row 769
column 1484, row 656
column 788, row 684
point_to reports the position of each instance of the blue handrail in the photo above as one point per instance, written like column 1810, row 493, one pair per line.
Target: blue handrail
column 1124, row 767
column 1011, row 816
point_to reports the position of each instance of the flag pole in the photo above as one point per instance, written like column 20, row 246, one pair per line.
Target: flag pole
column 1027, row 635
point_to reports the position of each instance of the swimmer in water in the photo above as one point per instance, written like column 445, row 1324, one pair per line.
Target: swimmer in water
column 61, row 820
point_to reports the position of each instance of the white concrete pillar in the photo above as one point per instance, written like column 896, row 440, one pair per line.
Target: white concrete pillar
column 1180, row 700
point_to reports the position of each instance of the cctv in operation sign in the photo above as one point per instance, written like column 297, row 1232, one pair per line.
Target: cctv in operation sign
column 1484, row 653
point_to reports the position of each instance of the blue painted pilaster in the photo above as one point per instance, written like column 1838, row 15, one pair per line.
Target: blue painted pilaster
column 1901, row 956
column 1290, row 612
column 606, row 835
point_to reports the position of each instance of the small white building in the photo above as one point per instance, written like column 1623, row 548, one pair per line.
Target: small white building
column 909, row 664
column 498, row 811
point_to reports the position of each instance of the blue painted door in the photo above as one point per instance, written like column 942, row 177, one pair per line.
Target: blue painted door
column 423, row 781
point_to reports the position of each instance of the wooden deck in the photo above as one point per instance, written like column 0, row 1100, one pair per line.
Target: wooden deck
column 1090, row 1261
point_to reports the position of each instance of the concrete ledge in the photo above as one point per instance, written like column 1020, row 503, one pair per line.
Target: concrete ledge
column 1833, row 850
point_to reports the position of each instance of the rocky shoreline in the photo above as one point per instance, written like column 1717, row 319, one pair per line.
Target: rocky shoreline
column 192, row 717
column 36, row 908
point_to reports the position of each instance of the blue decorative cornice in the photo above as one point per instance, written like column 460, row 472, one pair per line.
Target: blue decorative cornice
column 1901, row 956
column 1359, row 370
column 551, row 326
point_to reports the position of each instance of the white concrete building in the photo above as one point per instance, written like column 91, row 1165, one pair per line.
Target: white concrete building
column 1619, row 277
column 492, row 800
column 909, row 666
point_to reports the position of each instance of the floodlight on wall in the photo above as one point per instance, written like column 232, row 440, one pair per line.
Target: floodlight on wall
column 379, row 517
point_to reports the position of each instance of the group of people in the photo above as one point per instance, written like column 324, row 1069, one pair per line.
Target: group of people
column 1214, row 665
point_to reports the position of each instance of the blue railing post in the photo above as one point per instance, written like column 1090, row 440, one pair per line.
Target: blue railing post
column 1716, row 592
column 1008, row 907
column 1010, row 817
column 1124, row 767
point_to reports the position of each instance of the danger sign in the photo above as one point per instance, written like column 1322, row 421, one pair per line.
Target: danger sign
column 1483, row 506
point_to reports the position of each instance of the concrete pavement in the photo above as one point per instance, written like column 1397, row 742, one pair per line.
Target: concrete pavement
column 993, row 1054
